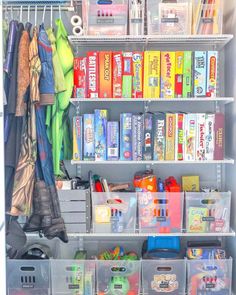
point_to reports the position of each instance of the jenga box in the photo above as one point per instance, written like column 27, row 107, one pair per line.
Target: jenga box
column 127, row 74
column 212, row 73
column 159, row 129
column 170, row 136
column 148, row 137
column 77, row 138
column 88, row 127
column 188, row 72
column 190, row 137
column 152, row 72
column 105, row 74
column 92, row 74
column 80, row 77
column 179, row 137
column 201, row 137
column 138, row 63
column 200, row 73
column 219, row 136
column 100, row 122
column 167, row 74
column 210, row 136
column 137, row 136
column 179, row 71
column 117, row 74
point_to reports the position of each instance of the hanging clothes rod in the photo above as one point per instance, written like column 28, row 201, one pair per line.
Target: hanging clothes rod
column 39, row 8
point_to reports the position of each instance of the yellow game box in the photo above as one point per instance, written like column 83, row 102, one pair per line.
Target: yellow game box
column 167, row 74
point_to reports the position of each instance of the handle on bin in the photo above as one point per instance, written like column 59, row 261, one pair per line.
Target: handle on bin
column 104, row 2
column 27, row 268
column 164, row 268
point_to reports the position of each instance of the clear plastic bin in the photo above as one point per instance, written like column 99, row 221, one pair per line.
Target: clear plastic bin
column 136, row 17
column 208, row 212
column 73, row 277
column 207, row 18
column 163, row 276
column 211, row 277
column 118, row 277
column 28, row 277
column 165, row 18
column 105, row 17
column 114, row 212
column 160, row 212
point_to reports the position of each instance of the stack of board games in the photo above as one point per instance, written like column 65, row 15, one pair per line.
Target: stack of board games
column 149, row 137
column 149, row 74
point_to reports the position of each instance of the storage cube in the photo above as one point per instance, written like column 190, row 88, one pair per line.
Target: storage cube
column 164, row 276
column 114, row 212
column 105, row 17
column 75, row 209
column 208, row 17
column 28, row 277
column 70, row 277
column 160, row 212
column 165, row 18
column 118, row 277
column 211, row 277
column 208, row 212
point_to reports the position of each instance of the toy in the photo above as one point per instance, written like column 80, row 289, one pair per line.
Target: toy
column 145, row 181
column 190, row 183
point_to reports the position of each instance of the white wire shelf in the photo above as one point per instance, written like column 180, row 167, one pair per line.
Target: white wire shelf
column 219, row 41
column 222, row 100
column 152, row 163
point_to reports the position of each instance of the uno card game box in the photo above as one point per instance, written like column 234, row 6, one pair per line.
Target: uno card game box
column 100, row 123
column 200, row 73
column 212, row 73
column 167, row 74
column 170, row 136
column 117, row 69
column 187, row 77
column 138, row 61
column 88, row 128
column 179, row 71
column 179, row 140
column 105, row 74
column 127, row 81
column 152, row 73
column 80, row 77
column 190, row 137
column 210, row 136
column 92, row 74
column 126, row 136
column 137, row 137
column 148, row 137
column 200, row 137
column 113, row 141
column 159, row 129
column 77, row 138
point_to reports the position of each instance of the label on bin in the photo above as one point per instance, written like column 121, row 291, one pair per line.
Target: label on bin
column 210, row 286
column 27, row 286
column 169, row 20
column 74, row 287
column 208, row 218
column 161, row 219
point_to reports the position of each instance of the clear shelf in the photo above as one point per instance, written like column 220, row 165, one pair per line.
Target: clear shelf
column 225, row 161
column 217, row 41
column 221, row 100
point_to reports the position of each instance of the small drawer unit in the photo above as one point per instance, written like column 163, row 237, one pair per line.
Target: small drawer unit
column 75, row 209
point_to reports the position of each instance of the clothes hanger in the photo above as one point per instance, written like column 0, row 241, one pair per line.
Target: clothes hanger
column 35, row 15
column 12, row 16
column 51, row 16
column 44, row 12
column 60, row 11
column 28, row 19
column 21, row 13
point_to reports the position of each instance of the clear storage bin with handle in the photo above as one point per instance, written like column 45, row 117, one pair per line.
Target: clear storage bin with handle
column 169, row 17
column 114, row 212
column 105, row 17
column 207, row 17
column 118, row 277
column 70, row 277
column 28, row 277
column 208, row 212
column 164, row 276
column 210, row 276
column 160, row 212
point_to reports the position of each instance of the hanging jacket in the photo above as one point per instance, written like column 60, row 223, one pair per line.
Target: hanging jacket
column 10, row 47
column 46, row 83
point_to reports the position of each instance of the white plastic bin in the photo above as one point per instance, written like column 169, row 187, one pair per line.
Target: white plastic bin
column 160, row 212
column 209, row 277
column 28, row 277
column 70, row 277
column 114, row 212
column 165, row 18
column 208, row 212
column 118, row 277
column 163, row 276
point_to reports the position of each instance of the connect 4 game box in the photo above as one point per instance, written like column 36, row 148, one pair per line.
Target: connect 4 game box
column 212, row 73
column 167, row 74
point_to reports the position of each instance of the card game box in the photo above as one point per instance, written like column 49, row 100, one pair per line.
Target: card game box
column 219, row 136
column 127, row 80
column 100, row 123
column 179, row 72
column 187, row 76
column 200, row 73
column 88, row 128
column 138, row 66
column 80, row 77
column 105, row 74
column 210, row 136
column 167, row 74
column 117, row 69
column 159, row 130
column 137, row 136
column 113, row 141
column 179, row 139
column 126, row 136
column 201, row 137
column 152, row 73
column 77, row 138
column 212, row 73
column 190, row 137
column 170, row 136
column 148, row 137
column 92, row 73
